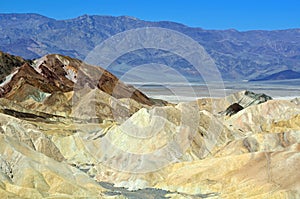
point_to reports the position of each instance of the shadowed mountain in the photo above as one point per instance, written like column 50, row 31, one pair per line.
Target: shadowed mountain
column 9, row 63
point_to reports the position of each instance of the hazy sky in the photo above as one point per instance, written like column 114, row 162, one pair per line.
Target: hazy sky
column 208, row 14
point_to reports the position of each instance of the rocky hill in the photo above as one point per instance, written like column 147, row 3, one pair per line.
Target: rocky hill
column 55, row 73
column 238, row 55
column 71, row 130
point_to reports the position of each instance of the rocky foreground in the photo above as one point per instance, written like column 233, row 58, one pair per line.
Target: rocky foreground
column 71, row 130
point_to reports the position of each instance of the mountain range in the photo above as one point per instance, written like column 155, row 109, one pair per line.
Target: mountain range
column 238, row 55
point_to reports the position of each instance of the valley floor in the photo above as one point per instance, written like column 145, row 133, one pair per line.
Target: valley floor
column 177, row 92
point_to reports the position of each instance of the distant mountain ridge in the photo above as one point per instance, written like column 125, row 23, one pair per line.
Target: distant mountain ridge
column 238, row 55
column 283, row 75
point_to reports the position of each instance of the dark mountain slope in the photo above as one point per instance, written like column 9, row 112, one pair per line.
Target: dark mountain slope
column 8, row 63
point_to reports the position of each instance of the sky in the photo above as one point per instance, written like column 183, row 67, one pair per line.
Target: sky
column 208, row 14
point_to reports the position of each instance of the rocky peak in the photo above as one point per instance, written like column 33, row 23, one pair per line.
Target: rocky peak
column 239, row 101
column 57, row 73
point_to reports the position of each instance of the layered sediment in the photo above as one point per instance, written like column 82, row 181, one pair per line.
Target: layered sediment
column 71, row 130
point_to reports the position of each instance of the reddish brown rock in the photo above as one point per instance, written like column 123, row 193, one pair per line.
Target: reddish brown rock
column 56, row 73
